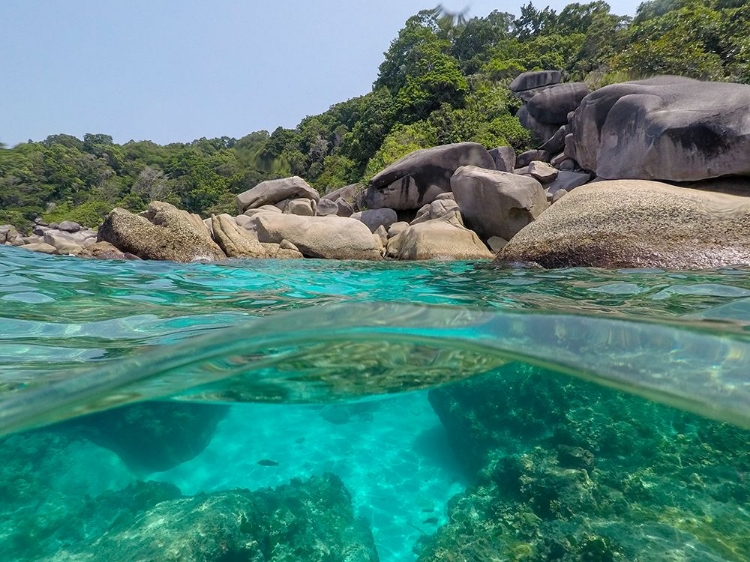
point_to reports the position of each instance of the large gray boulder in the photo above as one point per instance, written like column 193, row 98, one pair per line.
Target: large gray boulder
column 418, row 178
column 271, row 192
column 320, row 237
column 535, row 79
column 552, row 105
column 163, row 232
column 666, row 128
column 541, row 132
column 497, row 203
column 375, row 218
column 505, row 158
column 326, row 207
column 442, row 238
column 631, row 223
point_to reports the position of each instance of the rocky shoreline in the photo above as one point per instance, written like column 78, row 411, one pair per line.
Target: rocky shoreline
column 634, row 144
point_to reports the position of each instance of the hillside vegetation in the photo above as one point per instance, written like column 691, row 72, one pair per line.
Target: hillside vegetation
column 444, row 79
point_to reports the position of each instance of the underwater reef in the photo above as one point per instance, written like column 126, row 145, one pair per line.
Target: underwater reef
column 53, row 512
column 565, row 470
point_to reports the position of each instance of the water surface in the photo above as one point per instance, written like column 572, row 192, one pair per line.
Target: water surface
column 277, row 371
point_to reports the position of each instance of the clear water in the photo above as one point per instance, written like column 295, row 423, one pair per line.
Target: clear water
column 471, row 413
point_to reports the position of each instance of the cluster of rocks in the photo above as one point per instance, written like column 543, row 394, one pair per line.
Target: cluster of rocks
column 64, row 238
column 57, row 507
column 567, row 470
column 461, row 201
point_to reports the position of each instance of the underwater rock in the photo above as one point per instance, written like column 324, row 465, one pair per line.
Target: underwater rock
column 485, row 414
column 310, row 520
column 153, row 436
column 566, row 470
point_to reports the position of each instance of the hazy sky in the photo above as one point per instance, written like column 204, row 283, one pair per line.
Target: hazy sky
column 177, row 70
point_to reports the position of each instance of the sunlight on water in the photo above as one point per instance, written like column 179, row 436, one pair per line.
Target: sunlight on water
column 321, row 387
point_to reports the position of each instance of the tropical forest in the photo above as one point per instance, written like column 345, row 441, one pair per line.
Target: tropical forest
column 443, row 80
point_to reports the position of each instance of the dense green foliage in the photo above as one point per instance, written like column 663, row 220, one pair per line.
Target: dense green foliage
column 444, row 79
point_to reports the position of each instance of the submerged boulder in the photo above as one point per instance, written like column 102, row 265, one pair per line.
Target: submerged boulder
column 418, row 178
column 664, row 128
column 320, row 237
column 163, row 232
column 497, row 203
column 311, row 520
column 631, row 223
column 271, row 192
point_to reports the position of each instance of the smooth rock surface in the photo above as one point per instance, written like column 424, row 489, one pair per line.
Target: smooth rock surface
column 638, row 224
column 302, row 207
column 568, row 181
column 375, row 218
column 552, row 105
column 505, row 158
column 542, row 172
column 320, row 237
column 556, row 143
column 526, row 158
column 535, row 79
column 326, row 207
column 540, row 132
column 438, row 239
column 666, row 128
column 40, row 247
column 271, row 192
column 497, row 203
column 69, row 226
column 419, row 177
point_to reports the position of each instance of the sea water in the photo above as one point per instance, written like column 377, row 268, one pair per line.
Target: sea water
column 458, row 411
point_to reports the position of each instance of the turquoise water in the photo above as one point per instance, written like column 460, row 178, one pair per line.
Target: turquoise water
column 393, row 411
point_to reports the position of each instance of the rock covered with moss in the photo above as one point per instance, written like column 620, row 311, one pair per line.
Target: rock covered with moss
column 163, row 232
column 564, row 470
column 309, row 520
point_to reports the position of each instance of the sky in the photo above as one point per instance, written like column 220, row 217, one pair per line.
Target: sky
column 178, row 70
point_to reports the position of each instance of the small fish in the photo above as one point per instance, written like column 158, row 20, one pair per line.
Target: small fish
column 267, row 462
column 431, row 520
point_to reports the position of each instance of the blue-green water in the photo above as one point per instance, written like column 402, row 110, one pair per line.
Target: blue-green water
column 470, row 413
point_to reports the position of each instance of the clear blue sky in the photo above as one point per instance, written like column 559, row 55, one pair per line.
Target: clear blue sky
column 177, row 70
